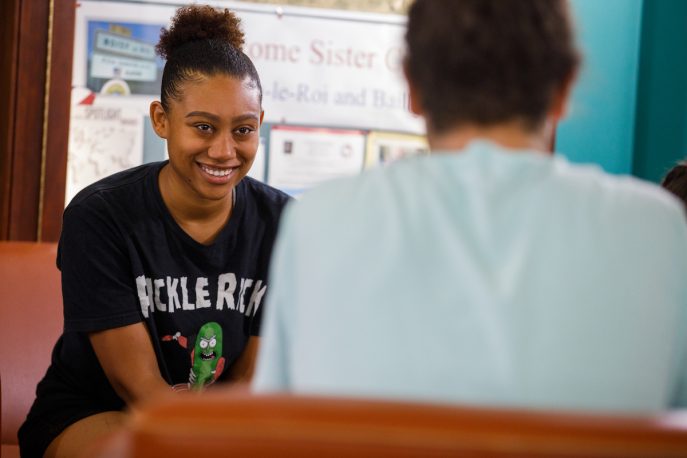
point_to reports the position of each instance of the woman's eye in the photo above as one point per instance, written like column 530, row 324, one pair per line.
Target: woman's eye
column 245, row 130
column 204, row 127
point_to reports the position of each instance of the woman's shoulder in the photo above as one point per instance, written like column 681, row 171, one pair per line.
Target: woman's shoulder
column 263, row 194
column 260, row 203
column 121, row 186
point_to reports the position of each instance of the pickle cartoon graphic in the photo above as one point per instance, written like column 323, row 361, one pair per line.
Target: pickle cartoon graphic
column 207, row 362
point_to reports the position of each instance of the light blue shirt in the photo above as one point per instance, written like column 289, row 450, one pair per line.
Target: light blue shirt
column 487, row 277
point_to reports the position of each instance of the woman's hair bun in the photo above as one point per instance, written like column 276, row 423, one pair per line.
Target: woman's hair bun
column 200, row 22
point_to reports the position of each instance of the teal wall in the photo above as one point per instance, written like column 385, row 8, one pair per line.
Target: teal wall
column 661, row 127
column 629, row 109
column 599, row 127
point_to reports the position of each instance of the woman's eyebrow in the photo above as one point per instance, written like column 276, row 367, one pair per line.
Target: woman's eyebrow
column 204, row 114
column 246, row 117
column 214, row 117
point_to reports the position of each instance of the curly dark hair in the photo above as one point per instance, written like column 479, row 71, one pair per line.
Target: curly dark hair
column 201, row 41
column 675, row 181
column 486, row 62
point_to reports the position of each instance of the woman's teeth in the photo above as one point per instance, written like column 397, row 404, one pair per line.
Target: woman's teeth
column 216, row 172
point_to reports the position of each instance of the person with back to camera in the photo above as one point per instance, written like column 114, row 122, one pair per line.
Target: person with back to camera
column 164, row 266
column 491, row 271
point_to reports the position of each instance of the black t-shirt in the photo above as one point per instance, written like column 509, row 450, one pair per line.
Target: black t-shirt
column 125, row 260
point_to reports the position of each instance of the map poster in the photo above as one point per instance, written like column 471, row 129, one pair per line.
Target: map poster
column 102, row 141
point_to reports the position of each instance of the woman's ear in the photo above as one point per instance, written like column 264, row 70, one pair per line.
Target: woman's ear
column 414, row 98
column 158, row 118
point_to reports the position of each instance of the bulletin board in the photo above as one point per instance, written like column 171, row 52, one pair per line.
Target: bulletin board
column 327, row 73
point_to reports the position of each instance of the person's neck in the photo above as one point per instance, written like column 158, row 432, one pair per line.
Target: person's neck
column 511, row 135
column 201, row 219
column 186, row 206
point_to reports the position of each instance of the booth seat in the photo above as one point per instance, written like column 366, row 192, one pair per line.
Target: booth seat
column 230, row 422
column 234, row 423
column 30, row 323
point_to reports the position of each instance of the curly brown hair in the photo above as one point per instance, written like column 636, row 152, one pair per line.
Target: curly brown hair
column 200, row 22
column 202, row 40
column 486, row 62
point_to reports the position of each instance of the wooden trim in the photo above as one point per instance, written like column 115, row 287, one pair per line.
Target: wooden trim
column 46, row 111
column 58, row 120
column 287, row 424
column 28, row 120
column 9, row 39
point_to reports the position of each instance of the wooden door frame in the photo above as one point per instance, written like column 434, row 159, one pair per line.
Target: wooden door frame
column 37, row 41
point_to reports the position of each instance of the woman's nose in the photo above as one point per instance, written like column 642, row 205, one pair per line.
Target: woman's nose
column 223, row 148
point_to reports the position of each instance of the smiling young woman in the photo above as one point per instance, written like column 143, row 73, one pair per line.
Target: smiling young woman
column 211, row 147
column 164, row 266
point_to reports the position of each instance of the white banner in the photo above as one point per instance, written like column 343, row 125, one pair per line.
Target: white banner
column 317, row 67
column 330, row 71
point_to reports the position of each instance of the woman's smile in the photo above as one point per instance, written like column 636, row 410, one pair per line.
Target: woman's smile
column 217, row 175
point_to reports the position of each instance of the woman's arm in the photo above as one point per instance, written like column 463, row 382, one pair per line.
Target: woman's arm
column 127, row 357
column 243, row 368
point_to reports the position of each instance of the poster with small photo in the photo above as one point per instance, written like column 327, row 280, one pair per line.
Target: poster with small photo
column 384, row 148
column 121, row 58
column 257, row 170
column 302, row 157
